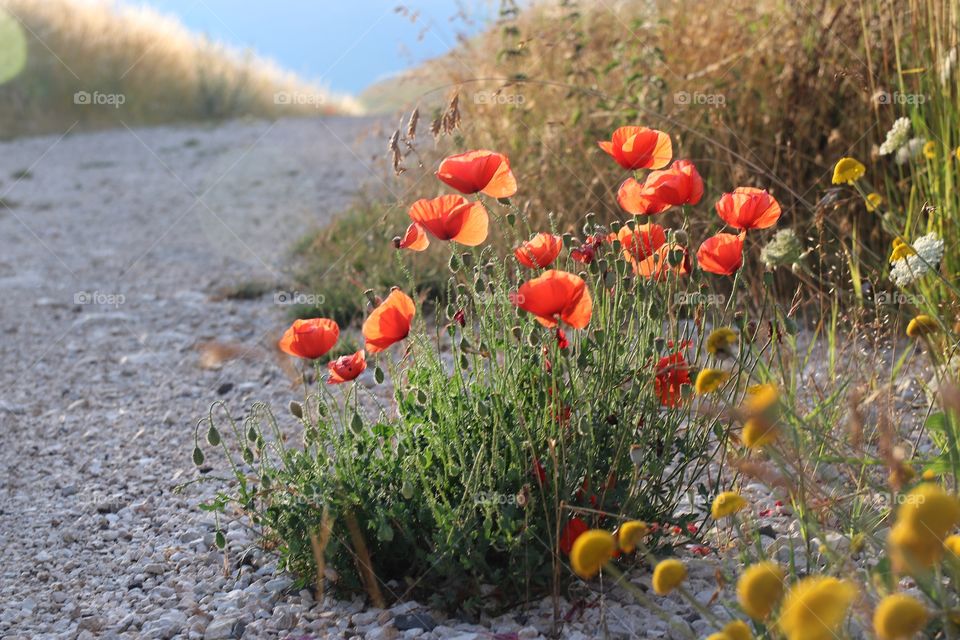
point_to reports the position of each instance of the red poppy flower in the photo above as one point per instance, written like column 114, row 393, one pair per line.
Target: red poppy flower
column 347, row 368
column 641, row 242
column 749, row 208
column 310, row 338
column 672, row 373
column 390, row 322
column 562, row 341
column 721, row 254
column 588, row 250
column 415, row 239
column 667, row 259
column 540, row 250
column 452, row 217
column 574, row 528
column 680, row 184
column 556, row 296
column 639, row 148
column 479, row 171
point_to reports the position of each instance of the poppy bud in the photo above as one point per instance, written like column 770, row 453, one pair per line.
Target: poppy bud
column 356, row 424
column 680, row 236
column 466, row 259
column 296, row 409
column 511, row 219
column 197, row 456
column 213, row 436
column 517, row 333
column 567, row 240
column 453, row 264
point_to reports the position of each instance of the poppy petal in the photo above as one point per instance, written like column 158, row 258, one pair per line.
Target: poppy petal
column 539, row 251
column 556, row 296
column 415, row 239
column 721, row 254
column 468, row 224
column 390, row 322
column 479, row 171
column 311, row 338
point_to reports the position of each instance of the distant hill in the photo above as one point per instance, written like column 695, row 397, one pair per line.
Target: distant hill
column 95, row 63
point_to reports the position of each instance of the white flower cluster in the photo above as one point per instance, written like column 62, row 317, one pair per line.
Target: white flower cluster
column 898, row 136
column 929, row 252
column 910, row 150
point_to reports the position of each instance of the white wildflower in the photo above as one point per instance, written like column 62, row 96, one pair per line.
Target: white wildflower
column 897, row 136
column 929, row 252
column 912, row 149
column 947, row 65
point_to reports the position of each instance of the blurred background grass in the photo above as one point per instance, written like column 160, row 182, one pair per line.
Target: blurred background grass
column 53, row 50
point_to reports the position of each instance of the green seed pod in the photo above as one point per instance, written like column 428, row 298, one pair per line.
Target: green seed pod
column 213, row 436
column 296, row 409
column 479, row 285
column 533, row 339
column 615, row 226
column 609, row 278
column 466, row 259
column 371, row 297
column 356, row 424
column 197, row 456
column 567, row 240
column 464, row 361
column 511, row 219
column 517, row 333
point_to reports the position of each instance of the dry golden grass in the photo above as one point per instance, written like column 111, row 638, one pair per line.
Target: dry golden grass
column 164, row 72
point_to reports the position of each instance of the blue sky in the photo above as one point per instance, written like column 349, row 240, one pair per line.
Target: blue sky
column 344, row 44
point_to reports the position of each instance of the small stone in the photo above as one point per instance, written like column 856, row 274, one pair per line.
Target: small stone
column 407, row 621
column 224, row 629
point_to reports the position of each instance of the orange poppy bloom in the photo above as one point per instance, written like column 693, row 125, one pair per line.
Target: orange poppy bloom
column 390, row 322
column 663, row 260
column 639, row 148
column 641, row 242
column 541, row 250
column 347, row 368
column 479, row 171
column 749, row 208
column 556, row 296
column 672, row 374
column 415, row 239
column 451, row 217
column 680, row 184
column 310, row 338
column 721, row 254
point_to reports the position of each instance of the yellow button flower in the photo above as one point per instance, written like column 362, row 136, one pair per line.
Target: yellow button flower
column 921, row 325
column 759, row 432
column 737, row 630
column 815, row 608
column 900, row 250
column 591, row 550
column 720, row 635
column 848, row 171
column 952, row 545
column 727, row 504
column 668, row 575
column 761, row 397
column 759, row 589
column 911, row 553
column 899, row 617
column 710, row 380
column 928, row 510
column 720, row 341
column 930, row 150
column 873, row 202
column 630, row 535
